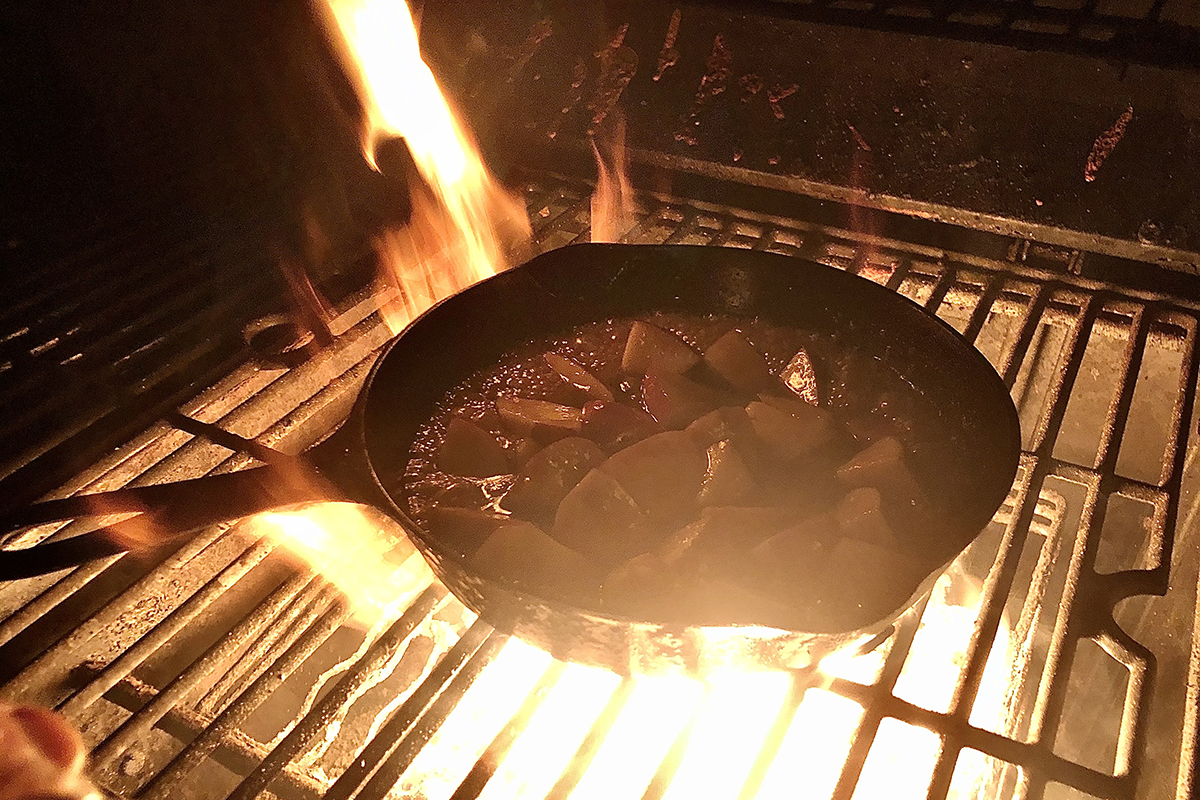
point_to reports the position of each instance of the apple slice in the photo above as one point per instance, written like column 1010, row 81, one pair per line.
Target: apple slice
column 662, row 473
column 795, row 555
column 468, row 450
column 793, row 433
column 724, row 536
column 548, row 476
column 801, row 378
column 614, row 425
column 638, row 585
column 735, row 359
column 522, row 554
column 599, row 519
column 577, row 376
column 539, row 419
column 675, row 401
column 882, row 465
column 726, row 422
column 650, row 348
column 463, row 529
column 727, row 479
column 860, row 516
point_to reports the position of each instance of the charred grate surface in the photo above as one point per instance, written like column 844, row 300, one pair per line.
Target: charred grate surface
column 129, row 320
column 1141, row 32
column 225, row 671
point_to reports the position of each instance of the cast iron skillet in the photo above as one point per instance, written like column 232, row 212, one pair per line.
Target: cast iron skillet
column 548, row 297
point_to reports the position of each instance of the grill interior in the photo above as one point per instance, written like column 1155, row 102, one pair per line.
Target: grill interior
column 226, row 671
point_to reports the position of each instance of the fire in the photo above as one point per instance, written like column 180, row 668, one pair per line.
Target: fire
column 728, row 718
column 379, row 572
column 463, row 223
column 613, row 207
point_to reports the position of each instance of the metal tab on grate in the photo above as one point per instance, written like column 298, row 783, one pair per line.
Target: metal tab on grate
column 1055, row 659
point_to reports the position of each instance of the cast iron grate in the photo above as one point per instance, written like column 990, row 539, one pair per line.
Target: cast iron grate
column 1152, row 32
column 226, row 672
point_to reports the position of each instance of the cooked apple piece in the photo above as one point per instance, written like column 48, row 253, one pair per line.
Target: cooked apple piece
column 675, row 401
column 463, row 529
column 882, row 465
column 521, row 450
column 800, row 377
column 793, row 433
column 548, row 476
column 651, row 349
column 735, row 359
column 804, row 543
column 860, row 516
column 662, row 473
column 790, row 404
column 727, row 479
column 601, row 520
column 723, row 537
column 726, row 422
column 470, row 451
column 614, row 425
column 522, row 554
column 864, row 583
column 577, row 376
column 539, row 419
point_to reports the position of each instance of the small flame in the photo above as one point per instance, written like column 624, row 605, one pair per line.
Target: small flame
column 379, row 572
column 613, row 207
column 463, row 219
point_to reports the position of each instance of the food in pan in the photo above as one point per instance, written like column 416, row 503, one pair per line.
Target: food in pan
column 702, row 470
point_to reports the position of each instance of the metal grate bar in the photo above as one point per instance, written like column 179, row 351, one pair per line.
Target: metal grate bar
column 137, row 726
column 500, row 746
column 289, row 622
column 381, row 783
column 905, row 630
column 385, row 744
column 586, row 752
column 236, row 752
column 148, row 644
column 231, row 718
column 335, row 704
column 661, row 781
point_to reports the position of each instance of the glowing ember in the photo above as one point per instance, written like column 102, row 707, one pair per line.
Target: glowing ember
column 462, row 221
column 379, row 572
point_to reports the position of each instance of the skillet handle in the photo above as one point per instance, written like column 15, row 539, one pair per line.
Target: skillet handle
column 166, row 512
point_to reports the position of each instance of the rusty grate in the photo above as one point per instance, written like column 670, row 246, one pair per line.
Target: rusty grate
column 226, row 672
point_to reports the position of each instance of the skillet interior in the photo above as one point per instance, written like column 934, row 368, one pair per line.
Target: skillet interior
column 564, row 288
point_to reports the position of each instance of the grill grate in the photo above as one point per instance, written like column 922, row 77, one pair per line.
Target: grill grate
column 226, row 671
column 1142, row 32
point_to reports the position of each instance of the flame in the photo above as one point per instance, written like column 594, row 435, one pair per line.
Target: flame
column 379, row 572
column 462, row 220
column 727, row 718
column 613, row 207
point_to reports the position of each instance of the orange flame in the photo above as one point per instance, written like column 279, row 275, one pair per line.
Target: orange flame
column 614, row 209
column 379, row 572
column 726, row 719
column 460, row 226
